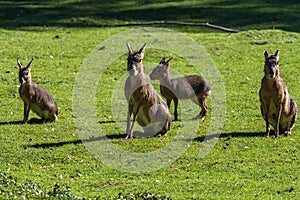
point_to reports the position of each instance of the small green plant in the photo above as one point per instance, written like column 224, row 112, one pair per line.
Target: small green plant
column 60, row 191
column 139, row 196
column 10, row 187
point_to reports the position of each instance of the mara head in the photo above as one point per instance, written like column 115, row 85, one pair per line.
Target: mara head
column 271, row 64
column 134, row 60
column 161, row 71
column 24, row 72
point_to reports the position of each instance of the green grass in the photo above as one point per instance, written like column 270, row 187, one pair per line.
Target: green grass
column 50, row 161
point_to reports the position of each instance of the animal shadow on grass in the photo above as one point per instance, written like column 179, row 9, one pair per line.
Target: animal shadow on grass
column 136, row 134
column 230, row 135
column 75, row 142
column 107, row 122
column 31, row 121
column 78, row 141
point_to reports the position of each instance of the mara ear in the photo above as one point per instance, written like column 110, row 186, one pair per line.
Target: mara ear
column 129, row 48
column 167, row 62
column 162, row 60
column 29, row 64
column 142, row 50
column 277, row 55
column 266, row 54
column 19, row 63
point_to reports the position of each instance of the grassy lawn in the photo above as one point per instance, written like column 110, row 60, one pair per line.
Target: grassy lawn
column 51, row 161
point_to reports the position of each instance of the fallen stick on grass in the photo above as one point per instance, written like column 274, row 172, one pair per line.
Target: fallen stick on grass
column 180, row 23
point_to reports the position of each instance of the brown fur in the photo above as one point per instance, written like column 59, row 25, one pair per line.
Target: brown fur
column 277, row 107
column 147, row 107
column 34, row 97
column 188, row 87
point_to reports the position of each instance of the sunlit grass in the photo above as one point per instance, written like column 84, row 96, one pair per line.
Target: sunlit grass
column 48, row 160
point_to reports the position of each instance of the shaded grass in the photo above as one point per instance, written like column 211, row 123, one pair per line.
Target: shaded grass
column 258, row 14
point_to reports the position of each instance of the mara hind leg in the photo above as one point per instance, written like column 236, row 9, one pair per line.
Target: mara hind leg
column 292, row 121
column 169, row 100
column 175, row 109
column 52, row 117
column 201, row 101
column 204, row 108
column 290, row 125
column 165, row 129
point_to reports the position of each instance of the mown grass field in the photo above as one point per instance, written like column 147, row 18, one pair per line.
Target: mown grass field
column 50, row 160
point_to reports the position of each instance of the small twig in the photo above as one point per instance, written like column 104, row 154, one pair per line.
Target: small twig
column 180, row 23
